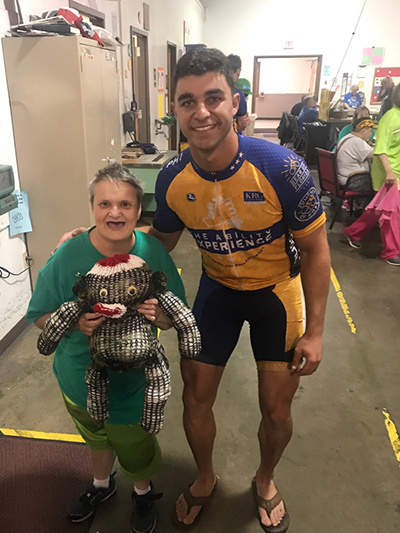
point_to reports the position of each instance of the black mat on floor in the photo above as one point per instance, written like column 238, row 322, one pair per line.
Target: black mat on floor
column 38, row 480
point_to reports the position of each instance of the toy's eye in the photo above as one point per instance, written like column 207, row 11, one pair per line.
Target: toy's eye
column 132, row 290
column 103, row 293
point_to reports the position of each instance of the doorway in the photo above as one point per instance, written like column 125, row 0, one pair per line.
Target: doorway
column 140, row 84
column 279, row 82
column 171, row 62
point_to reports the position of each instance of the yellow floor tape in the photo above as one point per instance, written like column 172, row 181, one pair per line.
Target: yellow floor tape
column 343, row 303
column 393, row 435
column 40, row 435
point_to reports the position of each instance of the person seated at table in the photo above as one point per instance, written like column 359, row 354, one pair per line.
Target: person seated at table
column 352, row 99
column 361, row 111
column 353, row 155
column 308, row 114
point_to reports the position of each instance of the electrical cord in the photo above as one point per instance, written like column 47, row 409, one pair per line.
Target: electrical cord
column 348, row 46
column 5, row 273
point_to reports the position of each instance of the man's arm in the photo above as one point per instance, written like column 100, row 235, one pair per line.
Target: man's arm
column 391, row 177
column 315, row 276
column 169, row 240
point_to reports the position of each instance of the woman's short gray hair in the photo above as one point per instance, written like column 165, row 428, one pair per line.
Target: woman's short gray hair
column 116, row 173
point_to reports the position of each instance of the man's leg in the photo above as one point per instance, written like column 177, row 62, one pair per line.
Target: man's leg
column 201, row 383
column 276, row 391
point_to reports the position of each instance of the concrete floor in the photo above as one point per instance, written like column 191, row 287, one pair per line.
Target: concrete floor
column 339, row 474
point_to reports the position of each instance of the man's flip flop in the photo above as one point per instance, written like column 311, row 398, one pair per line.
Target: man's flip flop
column 193, row 501
column 269, row 505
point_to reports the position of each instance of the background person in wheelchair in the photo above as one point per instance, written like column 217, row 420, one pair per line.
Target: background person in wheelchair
column 308, row 114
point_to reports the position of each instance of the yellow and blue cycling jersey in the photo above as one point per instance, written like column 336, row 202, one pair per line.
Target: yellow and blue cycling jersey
column 243, row 218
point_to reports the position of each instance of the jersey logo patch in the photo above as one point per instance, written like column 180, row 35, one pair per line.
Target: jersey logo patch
column 253, row 197
column 191, row 197
column 295, row 172
column 307, row 206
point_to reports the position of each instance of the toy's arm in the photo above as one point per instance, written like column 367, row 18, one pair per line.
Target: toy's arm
column 57, row 325
column 158, row 388
column 97, row 383
column 184, row 322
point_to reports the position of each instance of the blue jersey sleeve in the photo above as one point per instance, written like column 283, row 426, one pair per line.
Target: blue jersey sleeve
column 297, row 193
column 292, row 182
column 165, row 219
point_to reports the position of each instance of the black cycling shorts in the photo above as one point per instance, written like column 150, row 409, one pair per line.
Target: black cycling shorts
column 274, row 314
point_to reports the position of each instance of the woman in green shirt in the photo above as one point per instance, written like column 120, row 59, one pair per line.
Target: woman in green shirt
column 115, row 197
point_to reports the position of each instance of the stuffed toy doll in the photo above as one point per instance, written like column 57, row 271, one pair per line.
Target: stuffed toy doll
column 125, row 340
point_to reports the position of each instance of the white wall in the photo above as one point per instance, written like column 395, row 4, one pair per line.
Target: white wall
column 14, row 291
column 166, row 24
column 314, row 26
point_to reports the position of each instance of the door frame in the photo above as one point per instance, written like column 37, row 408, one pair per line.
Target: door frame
column 173, row 134
column 146, row 104
column 256, row 73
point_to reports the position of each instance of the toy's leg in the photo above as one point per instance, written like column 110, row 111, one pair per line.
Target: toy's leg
column 57, row 325
column 97, row 386
column 158, row 388
column 184, row 322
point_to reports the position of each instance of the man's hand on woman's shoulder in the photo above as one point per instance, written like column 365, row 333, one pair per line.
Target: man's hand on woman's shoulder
column 67, row 236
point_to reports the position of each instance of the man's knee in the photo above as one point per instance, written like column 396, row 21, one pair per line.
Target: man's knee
column 201, row 383
column 195, row 398
column 277, row 414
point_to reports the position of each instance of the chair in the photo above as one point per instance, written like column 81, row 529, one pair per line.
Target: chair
column 298, row 138
column 318, row 135
column 330, row 186
column 284, row 131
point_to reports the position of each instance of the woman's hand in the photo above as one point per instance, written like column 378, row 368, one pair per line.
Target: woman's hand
column 89, row 322
column 152, row 312
column 391, row 178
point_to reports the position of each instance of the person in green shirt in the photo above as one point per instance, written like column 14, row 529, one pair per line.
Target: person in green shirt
column 115, row 197
column 386, row 162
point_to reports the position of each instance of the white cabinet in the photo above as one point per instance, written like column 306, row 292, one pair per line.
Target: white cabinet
column 64, row 95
